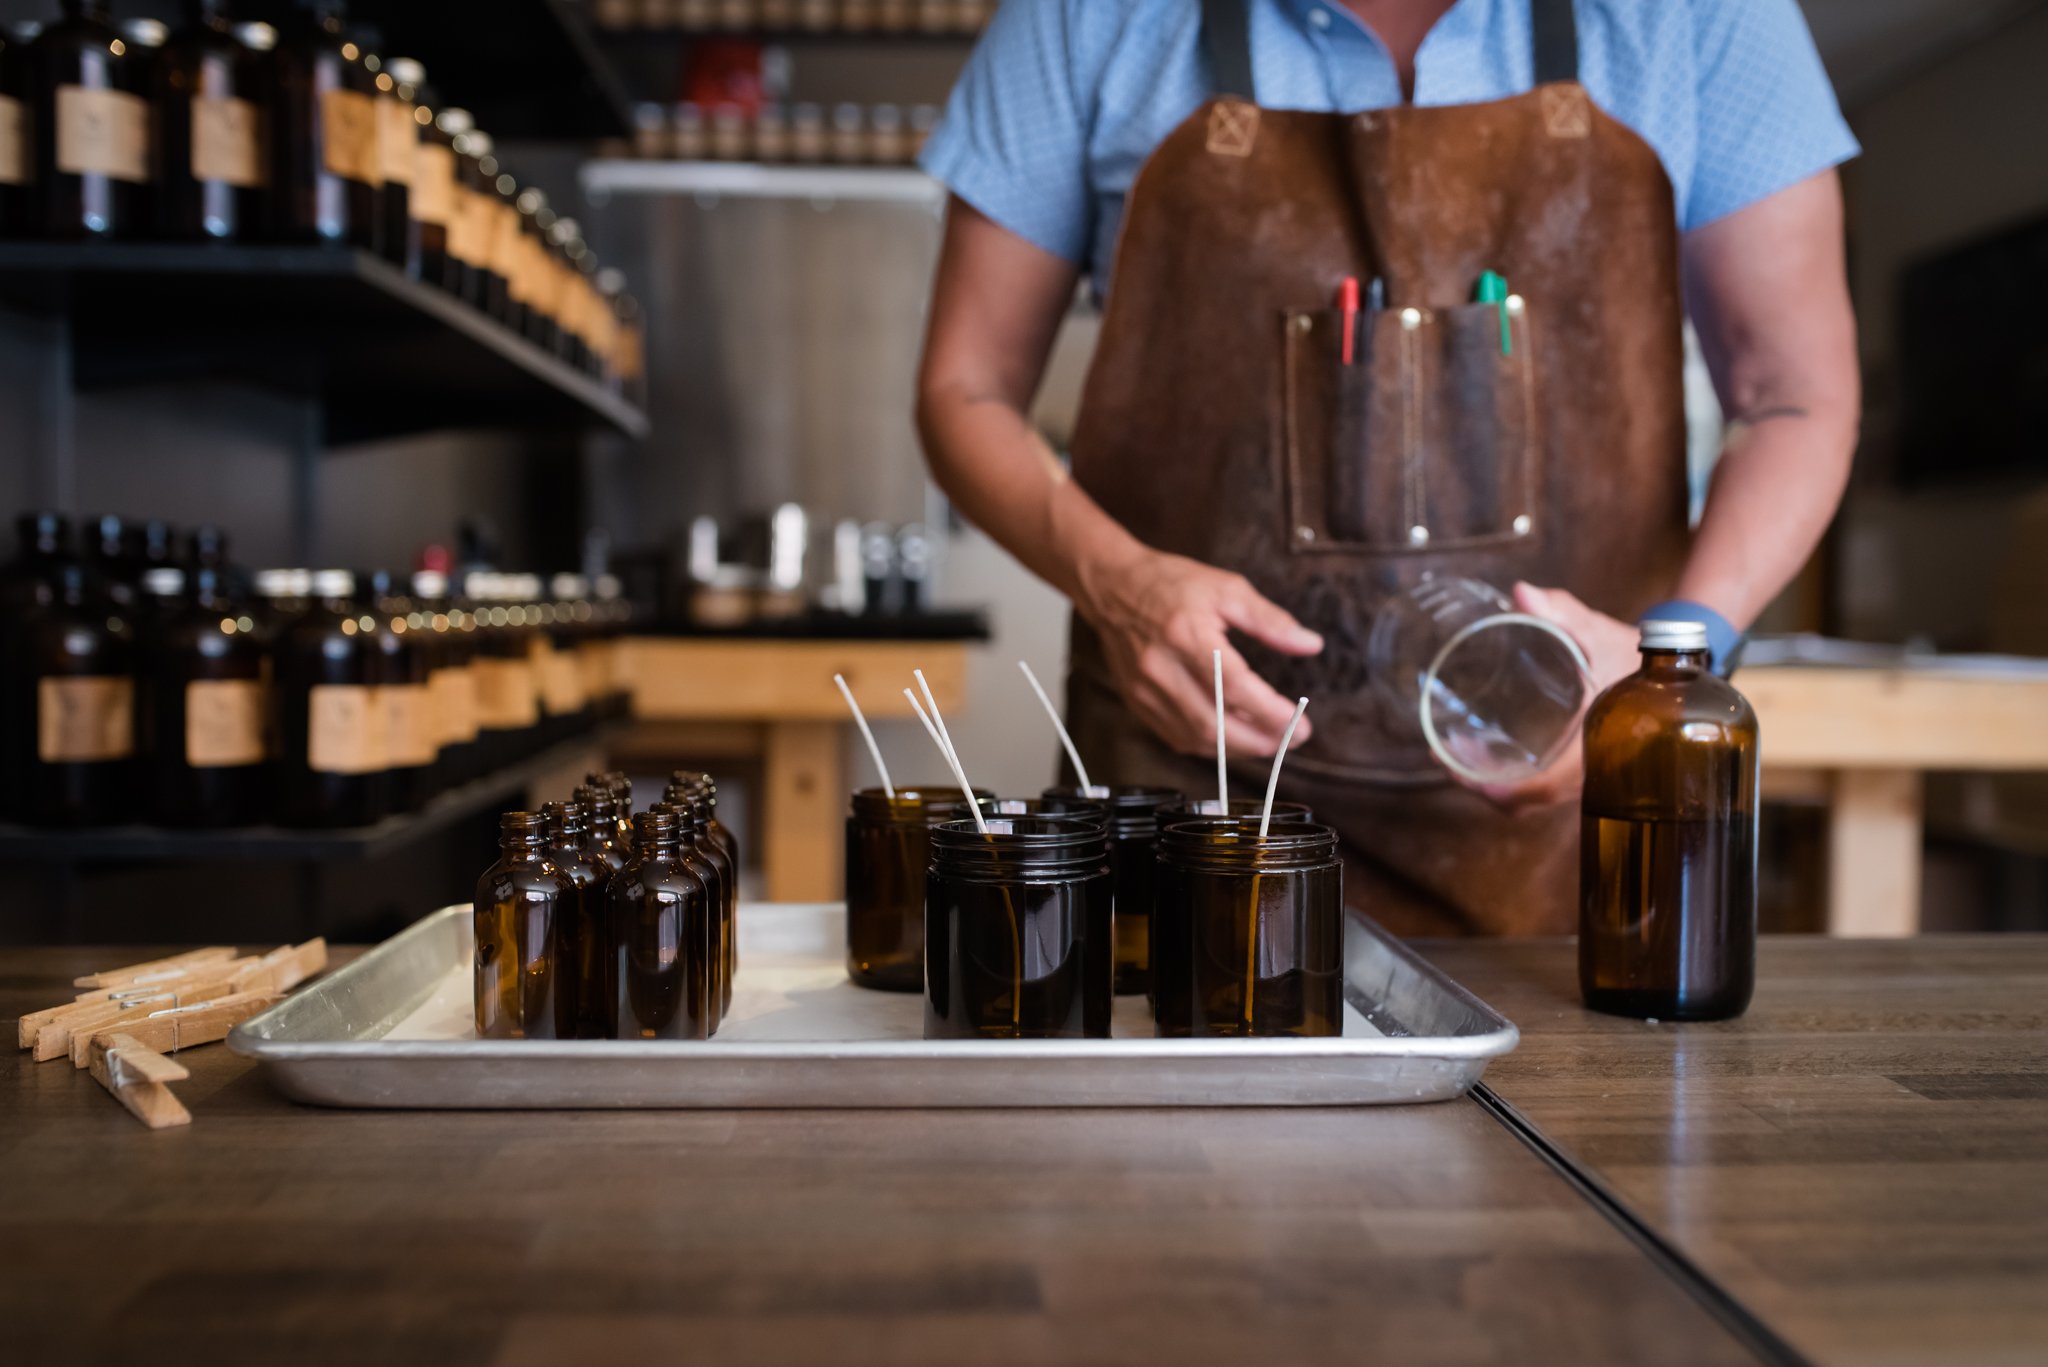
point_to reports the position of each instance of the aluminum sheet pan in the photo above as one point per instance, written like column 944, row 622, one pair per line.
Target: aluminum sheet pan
column 393, row 1029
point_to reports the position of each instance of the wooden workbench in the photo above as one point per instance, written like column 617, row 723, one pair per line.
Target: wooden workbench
column 1859, row 1163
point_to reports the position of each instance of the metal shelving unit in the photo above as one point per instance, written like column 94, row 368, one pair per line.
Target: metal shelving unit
column 760, row 180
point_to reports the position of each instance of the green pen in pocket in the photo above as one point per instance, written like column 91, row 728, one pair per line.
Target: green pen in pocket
column 1493, row 289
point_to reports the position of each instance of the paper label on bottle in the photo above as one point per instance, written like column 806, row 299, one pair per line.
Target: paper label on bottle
column 84, row 718
column 505, row 242
column 349, row 135
column 469, row 227
column 593, row 662
column 505, row 695
column 102, row 133
column 398, row 140
column 433, row 183
column 224, row 142
column 409, row 737
column 223, row 723
column 13, row 143
column 562, row 683
column 345, row 730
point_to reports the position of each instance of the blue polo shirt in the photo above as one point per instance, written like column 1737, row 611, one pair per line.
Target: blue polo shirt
column 1064, row 99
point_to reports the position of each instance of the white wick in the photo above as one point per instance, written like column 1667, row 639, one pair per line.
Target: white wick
column 1279, row 757
column 1222, row 773
column 866, row 734
column 935, row 727
column 1057, row 725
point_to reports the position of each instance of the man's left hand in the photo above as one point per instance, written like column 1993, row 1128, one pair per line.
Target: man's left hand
column 1611, row 656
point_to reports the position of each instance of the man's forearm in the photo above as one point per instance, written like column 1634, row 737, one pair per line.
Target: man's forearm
column 1773, row 494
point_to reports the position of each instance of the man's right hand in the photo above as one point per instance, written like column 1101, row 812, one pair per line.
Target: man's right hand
column 1160, row 618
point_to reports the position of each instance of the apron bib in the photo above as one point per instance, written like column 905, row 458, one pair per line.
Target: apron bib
column 1220, row 422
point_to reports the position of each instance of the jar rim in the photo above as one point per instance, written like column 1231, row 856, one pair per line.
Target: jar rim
column 913, row 804
column 1119, row 797
column 1205, row 809
column 1240, row 835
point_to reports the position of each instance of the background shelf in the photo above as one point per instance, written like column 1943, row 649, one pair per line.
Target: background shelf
column 760, row 180
column 386, row 355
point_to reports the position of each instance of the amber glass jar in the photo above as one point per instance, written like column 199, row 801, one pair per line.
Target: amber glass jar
column 516, row 915
column 204, row 709
column 1200, row 809
column 1133, row 828
column 658, row 976
column 1668, row 831
column 206, row 95
column 1017, row 930
column 90, row 124
column 331, row 723
column 888, row 849
column 581, row 1009
column 325, row 176
column 1248, row 934
column 69, row 703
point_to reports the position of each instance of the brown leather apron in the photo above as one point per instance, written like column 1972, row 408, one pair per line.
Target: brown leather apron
column 1220, row 422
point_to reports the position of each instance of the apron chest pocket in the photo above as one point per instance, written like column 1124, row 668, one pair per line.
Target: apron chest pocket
column 1425, row 442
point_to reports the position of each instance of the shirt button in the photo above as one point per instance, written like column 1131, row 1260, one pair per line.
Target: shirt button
column 1319, row 18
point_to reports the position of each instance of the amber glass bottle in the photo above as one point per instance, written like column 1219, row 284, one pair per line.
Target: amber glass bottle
column 206, row 94
column 658, row 976
column 434, row 183
column 519, row 903
column 332, row 751
column 204, row 709
column 601, row 834
column 69, row 704
column 91, row 128
column 17, row 160
column 324, row 171
column 473, row 219
column 705, row 859
column 581, row 1011
column 1667, row 848
column 411, row 740
column 398, row 141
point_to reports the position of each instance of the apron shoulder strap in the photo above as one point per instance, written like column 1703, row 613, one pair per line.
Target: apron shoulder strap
column 1554, row 32
column 1227, row 41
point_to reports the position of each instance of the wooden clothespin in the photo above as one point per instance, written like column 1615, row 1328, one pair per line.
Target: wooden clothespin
column 283, row 968
column 56, row 1035
column 134, row 973
column 179, row 1027
column 138, row 1076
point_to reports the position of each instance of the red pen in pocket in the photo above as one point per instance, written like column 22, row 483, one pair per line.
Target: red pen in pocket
column 1347, row 308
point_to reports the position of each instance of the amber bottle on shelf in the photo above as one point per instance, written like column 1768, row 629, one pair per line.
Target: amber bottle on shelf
column 204, row 707
column 90, row 125
column 1668, row 832
column 451, row 679
column 332, row 750
column 205, row 90
column 581, row 1010
column 519, row 902
column 324, row 171
column 471, row 214
column 499, row 300
column 658, row 976
column 17, row 158
column 398, row 143
column 411, row 742
column 69, row 704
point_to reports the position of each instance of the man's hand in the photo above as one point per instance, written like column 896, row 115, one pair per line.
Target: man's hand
column 1160, row 616
column 1611, row 656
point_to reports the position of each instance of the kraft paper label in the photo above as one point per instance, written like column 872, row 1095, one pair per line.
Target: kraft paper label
column 409, row 737
column 84, row 718
column 345, row 730
column 469, row 227
column 505, row 244
column 433, row 183
column 451, row 702
column 505, row 695
column 561, row 683
column 398, row 140
column 349, row 144
column 593, row 660
column 223, row 723
column 102, row 133
column 13, row 143
column 224, row 142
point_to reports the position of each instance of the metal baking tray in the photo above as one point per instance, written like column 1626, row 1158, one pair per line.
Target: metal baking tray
column 393, row 1029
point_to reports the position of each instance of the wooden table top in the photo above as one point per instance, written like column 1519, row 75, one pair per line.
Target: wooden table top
column 1413, row 1234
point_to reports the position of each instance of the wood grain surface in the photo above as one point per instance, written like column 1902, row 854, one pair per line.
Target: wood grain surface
column 1862, row 1159
column 266, row 1232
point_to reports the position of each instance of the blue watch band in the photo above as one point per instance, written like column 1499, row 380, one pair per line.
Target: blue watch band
column 1723, row 640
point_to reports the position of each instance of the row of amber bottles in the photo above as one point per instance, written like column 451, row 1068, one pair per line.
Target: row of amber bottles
column 290, row 131
column 143, row 690
column 596, row 925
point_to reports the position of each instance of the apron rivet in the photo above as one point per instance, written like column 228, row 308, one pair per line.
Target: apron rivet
column 1411, row 319
column 1418, row 535
column 1304, row 534
column 1303, row 323
column 1523, row 524
column 1514, row 303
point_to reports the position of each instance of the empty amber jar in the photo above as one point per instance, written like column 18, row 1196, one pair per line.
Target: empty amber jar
column 1133, row 827
column 1017, row 930
column 1248, row 933
column 519, row 901
column 888, row 848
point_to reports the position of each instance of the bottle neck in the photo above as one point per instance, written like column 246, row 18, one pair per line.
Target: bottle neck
column 1682, row 664
column 529, row 845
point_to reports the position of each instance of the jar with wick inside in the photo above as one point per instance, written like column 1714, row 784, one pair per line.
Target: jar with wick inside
column 1248, row 931
column 1017, row 930
column 1133, row 816
column 888, row 848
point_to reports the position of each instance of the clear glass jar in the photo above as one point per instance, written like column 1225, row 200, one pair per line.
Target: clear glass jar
column 888, row 848
column 1248, row 934
column 1017, row 930
column 1133, row 814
